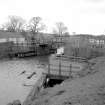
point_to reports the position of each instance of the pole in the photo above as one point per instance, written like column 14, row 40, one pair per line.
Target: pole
column 49, row 68
column 70, row 72
column 60, row 66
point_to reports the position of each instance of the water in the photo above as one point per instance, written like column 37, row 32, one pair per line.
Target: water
column 11, row 79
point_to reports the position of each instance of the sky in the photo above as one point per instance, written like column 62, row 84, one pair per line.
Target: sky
column 80, row 16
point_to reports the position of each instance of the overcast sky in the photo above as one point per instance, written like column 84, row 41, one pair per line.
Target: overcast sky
column 80, row 16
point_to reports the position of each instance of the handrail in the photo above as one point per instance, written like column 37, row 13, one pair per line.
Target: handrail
column 65, row 58
column 63, row 66
column 60, row 69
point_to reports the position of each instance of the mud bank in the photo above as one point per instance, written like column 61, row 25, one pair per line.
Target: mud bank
column 88, row 89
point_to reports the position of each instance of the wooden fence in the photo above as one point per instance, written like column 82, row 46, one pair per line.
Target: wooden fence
column 63, row 67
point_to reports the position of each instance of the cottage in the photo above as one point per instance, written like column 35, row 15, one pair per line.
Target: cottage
column 84, row 46
column 14, row 37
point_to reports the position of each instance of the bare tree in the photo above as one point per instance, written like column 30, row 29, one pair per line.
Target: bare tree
column 14, row 24
column 36, row 25
column 60, row 29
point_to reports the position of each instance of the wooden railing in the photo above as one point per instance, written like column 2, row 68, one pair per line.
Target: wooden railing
column 63, row 70
column 66, row 67
column 71, row 58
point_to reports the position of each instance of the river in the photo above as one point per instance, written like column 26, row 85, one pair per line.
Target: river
column 12, row 80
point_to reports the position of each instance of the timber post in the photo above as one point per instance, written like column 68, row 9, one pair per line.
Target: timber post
column 60, row 67
column 49, row 68
column 70, row 72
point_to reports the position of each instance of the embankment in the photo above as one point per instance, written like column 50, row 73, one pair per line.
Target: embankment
column 87, row 89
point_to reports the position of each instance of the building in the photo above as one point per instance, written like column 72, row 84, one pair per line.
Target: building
column 14, row 37
column 85, row 46
column 12, row 42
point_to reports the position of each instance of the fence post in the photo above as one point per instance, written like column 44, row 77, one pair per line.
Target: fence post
column 70, row 72
column 48, row 68
column 60, row 67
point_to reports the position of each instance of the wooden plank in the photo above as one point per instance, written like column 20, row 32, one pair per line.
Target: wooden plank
column 65, row 73
column 71, row 58
column 49, row 68
column 56, row 67
column 70, row 72
column 59, row 68
column 54, row 72
column 57, row 77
